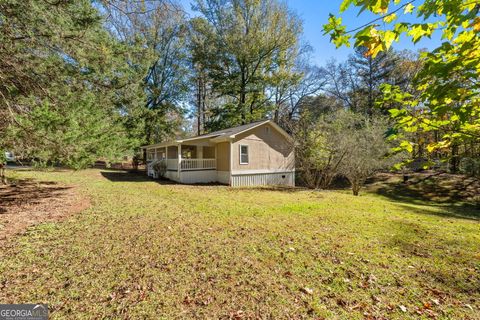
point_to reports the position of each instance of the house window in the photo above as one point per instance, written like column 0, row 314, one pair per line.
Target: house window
column 243, row 154
column 150, row 155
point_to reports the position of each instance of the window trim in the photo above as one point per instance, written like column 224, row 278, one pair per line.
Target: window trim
column 248, row 154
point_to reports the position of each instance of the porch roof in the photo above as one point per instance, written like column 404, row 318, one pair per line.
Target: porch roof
column 216, row 136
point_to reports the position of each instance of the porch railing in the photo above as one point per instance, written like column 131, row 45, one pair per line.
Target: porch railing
column 194, row 164
column 172, row 164
column 187, row 164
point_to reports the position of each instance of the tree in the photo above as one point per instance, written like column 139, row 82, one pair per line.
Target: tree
column 54, row 54
column 74, row 132
column 201, row 46
column 341, row 143
column 291, row 95
column 368, row 150
column 320, row 147
column 3, row 163
column 343, row 85
column 372, row 72
column 157, row 32
column 357, row 82
column 448, row 86
column 255, row 42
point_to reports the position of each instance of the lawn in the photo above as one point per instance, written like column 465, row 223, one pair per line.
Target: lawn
column 147, row 249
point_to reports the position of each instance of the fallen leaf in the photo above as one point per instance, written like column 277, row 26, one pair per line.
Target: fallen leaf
column 307, row 290
column 372, row 278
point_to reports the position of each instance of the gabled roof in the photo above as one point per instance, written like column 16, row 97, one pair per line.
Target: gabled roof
column 224, row 134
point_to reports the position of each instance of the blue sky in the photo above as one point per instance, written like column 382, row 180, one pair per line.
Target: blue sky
column 314, row 14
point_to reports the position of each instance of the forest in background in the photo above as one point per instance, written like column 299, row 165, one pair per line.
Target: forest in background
column 83, row 80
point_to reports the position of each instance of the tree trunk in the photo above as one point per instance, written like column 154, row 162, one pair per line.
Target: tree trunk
column 199, row 105
column 454, row 160
column 355, row 188
column 3, row 177
column 243, row 96
column 276, row 115
column 204, row 104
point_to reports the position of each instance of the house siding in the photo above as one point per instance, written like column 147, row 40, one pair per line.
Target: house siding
column 266, row 151
column 263, row 179
column 223, row 156
column 209, row 152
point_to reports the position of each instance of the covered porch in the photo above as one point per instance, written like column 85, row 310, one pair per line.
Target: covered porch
column 189, row 162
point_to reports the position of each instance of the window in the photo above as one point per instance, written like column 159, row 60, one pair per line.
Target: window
column 267, row 130
column 150, row 155
column 243, row 154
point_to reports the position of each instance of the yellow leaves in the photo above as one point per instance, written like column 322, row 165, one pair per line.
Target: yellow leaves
column 407, row 146
column 379, row 6
column 375, row 44
column 431, row 147
column 448, row 33
column 345, row 4
column 470, row 5
column 439, row 145
column 389, row 37
column 390, row 18
column 418, row 31
column 476, row 24
column 375, row 40
column 373, row 32
column 408, row 8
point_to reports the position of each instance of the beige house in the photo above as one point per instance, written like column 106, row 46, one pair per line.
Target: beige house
column 259, row 153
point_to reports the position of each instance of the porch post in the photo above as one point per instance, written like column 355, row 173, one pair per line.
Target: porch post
column 179, row 148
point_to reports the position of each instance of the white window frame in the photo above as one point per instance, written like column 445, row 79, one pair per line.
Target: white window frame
column 248, row 153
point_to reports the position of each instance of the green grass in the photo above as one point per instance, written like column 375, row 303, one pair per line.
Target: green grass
column 150, row 250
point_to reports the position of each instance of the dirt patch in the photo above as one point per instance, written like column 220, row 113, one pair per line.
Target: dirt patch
column 28, row 202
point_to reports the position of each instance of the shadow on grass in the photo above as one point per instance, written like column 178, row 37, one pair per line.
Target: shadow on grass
column 413, row 240
column 440, row 188
column 28, row 192
column 285, row 189
column 138, row 176
column 125, row 176
column 447, row 195
column 132, row 176
column 461, row 211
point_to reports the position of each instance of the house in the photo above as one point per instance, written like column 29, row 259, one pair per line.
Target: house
column 259, row 153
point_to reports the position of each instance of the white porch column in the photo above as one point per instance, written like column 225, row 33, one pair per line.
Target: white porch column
column 199, row 152
column 179, row 148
